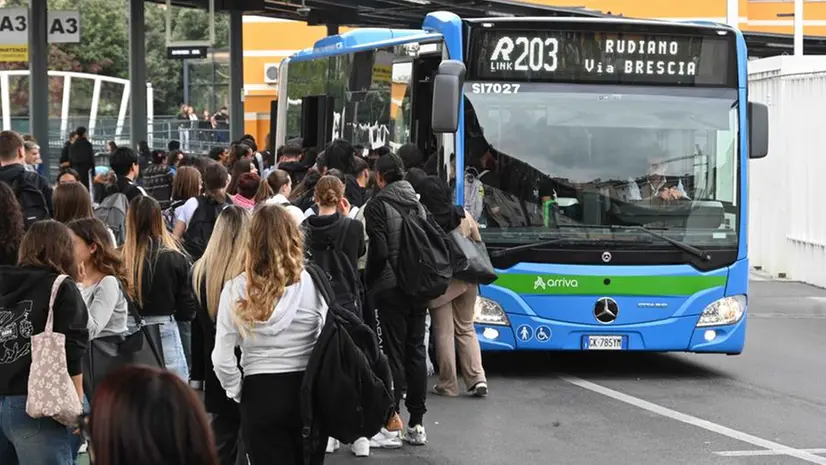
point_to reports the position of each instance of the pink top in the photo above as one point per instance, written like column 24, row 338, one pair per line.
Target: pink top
column 243, row 202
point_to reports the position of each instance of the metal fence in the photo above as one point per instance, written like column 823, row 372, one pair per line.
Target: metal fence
column 195, row 137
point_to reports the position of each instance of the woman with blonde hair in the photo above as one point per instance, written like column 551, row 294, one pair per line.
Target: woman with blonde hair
column 222, row 261
column 275, row 313
column 158, row 278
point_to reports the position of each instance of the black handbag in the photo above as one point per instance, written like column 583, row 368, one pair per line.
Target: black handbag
column 105, row 354
column 479, row 268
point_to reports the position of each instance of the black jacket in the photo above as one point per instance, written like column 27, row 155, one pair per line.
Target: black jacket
column 323, row 229
column 11, row 172
column 167, row 290
column 24, row 300
column 383, row 225
column 215, row 397
column 82, row 159
column 125, row 186
column 354, row 193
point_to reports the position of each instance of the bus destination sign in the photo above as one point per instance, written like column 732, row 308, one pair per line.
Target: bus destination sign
column 603, row 57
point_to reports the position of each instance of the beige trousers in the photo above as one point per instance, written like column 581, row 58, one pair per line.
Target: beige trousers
column 452, row 320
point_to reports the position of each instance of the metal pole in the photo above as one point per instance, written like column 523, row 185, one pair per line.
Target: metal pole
column 798, row 27
column 236, row 74
column 732, row 13
column 137, row 72
column 39, row 78
column 186, row 82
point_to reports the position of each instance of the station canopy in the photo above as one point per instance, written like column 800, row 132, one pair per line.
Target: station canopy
column 410, row 13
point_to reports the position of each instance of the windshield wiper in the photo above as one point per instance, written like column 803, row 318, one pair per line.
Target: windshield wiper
column 505, row 252
column 705, row 256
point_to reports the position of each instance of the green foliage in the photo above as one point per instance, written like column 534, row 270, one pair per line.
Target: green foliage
column 104, row 47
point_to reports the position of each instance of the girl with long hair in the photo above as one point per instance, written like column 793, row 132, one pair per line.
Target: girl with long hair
column 101, row 277
column 186, row 185
column 276, row 190
column 158, row 278
column 222, row 261
column 274, row 312
column 142, row 415
column 71, row 202
column 46, row 252
column 11, row 225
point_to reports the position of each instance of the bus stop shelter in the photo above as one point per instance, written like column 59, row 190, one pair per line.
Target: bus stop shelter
column 332, row 13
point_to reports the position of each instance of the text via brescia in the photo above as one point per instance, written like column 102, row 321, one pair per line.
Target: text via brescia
column 642, row 58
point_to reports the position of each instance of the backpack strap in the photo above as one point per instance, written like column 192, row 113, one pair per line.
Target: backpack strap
column 321, row 283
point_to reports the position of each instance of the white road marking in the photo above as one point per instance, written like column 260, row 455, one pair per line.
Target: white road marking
column 772, row 446
column 763, row 453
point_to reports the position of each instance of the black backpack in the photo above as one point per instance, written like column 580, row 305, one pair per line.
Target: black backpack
column 200, row 227
column 31, row 198
column 169, row 214
column 423, row 268
column 329, row 255
column 347, row 388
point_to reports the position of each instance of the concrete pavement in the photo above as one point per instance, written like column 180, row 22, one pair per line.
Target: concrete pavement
column 766, row 406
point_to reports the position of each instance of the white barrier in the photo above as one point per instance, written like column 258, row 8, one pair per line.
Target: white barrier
column 787, row 189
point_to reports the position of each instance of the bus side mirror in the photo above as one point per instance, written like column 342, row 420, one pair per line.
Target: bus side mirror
column 758, row 130
column 447, row 95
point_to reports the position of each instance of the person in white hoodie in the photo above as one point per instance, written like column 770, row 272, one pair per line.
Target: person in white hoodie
column 274, row 312
column 276, row 191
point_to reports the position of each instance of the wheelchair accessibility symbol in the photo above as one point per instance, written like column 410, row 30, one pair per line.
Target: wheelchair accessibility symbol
column 543, row 334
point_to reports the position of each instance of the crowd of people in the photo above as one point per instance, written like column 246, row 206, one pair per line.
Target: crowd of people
column 216, row 254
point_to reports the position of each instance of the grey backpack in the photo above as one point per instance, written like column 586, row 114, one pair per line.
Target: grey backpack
column 112, row 211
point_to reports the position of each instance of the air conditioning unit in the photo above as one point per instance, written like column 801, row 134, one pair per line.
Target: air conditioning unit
column 271, row 73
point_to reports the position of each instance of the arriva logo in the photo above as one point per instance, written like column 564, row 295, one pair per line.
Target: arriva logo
column 542, row 283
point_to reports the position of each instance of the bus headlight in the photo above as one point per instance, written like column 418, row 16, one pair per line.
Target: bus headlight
column 725, row 311
column 489, row 312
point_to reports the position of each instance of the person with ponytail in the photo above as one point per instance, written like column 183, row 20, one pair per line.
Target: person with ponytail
column 276, row 190
column 275, row 313
column 222, row 261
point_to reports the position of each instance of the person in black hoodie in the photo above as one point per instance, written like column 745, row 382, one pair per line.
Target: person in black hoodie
column 158, row 278
column 12, row 170
column 289, row 160
column 400, row 318
column 222, row 261
column 46, row 252
column 82, row 156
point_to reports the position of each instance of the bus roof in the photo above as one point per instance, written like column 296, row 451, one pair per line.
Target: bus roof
column 603, row 20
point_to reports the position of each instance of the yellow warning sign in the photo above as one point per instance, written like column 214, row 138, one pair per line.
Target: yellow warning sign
column 14, row 53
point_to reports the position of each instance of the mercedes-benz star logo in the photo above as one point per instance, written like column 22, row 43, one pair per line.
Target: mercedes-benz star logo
column 606, row 257
column 606, row 310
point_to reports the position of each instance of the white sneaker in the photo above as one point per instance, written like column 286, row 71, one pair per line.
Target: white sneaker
column 361, row 448
column 332, row 445
column 83, row 448
column 415, row 436
column 386, row 440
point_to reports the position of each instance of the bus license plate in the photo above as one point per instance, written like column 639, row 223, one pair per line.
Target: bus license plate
column 604, row 343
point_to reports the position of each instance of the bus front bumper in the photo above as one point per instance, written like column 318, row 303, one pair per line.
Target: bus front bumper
column 678, row 334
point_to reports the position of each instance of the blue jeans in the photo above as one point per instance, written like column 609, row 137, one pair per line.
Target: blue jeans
column 28, row 441
column 173, row 348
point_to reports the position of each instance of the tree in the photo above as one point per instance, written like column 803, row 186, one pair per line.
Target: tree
column 104, row 48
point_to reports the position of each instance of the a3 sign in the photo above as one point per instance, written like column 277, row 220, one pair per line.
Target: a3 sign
column 63, row 26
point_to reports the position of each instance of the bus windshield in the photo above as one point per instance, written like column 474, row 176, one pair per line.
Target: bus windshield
column 561, row 160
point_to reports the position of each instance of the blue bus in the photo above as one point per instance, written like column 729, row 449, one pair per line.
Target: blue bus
column 606, row 161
